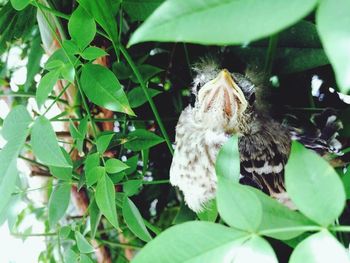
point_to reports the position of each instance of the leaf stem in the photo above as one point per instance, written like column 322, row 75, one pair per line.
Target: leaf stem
column 33, row 235
column 148, row 97
column 271, row 50
column 290, row 229
column 57, row 98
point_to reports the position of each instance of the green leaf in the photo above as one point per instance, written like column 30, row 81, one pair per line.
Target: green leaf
column 45, row 87
column 94, row 174
column 68, row 72
column 227, row 163
column 103, row 141
column 85, row 259
column 132, row 163
column 20, row 4
column 139, row 10
column 70, row 47
column 137, row 97
column 15, row 123
column 64, row 232
column 103, row 88
column 95, row 217
column 82, row 27
column 210, row 213
column 44, row 144
column 193, row 242
column 15, row 131
column 70, row 256
column 91, row 161
column 115, row 166
column 147, row 72
column 58, row 203
column 92, row 53
column 131, row 187
column 335, row 35
column 238, row 206
column 142, row 139
column 320, row 248
column 134, row 220
column 102, row 11
column 276, row 215
column 63, row 173
column 316, row 190
column 218, row 22
column 83, row 245
column 105, row 199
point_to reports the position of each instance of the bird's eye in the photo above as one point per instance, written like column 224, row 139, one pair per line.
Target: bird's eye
column 198, row 87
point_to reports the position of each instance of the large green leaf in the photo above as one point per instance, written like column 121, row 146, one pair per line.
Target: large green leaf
column 320, row 248
column 59, row 201
column 105, row 199
column 81, row 27
column 276, row 215
column 238, row 206
column 103, row 88
column 220, row 22
column 228, row 163
column 15, row 131
column 134, row 220
column 335, row 37
column 142, row 139
column 44, row 144
column 193, row 242
column 314, row 186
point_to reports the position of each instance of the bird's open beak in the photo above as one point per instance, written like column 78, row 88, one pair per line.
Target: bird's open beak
column 225, row 78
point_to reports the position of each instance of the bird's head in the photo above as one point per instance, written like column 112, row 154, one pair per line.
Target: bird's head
column 222, row 101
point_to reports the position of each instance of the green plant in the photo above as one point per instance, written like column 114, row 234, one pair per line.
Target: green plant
column 117, row 172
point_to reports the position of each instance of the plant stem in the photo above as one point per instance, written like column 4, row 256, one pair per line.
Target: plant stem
column 32, row 161
column 270, row 55
column 33, row 235
column 112, row 244
column 148, row 97
column 52, row 11
column 340, row 228
column 290, row 229
column 156, row 182
column 57, row 98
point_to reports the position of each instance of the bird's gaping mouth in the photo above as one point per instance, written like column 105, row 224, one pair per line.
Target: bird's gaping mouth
column 225, row 79
column 223, row 92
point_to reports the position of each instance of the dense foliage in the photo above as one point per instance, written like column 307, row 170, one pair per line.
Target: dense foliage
column 117, row 96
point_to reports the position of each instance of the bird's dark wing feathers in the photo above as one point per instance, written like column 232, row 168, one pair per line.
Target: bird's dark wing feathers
column 263, row 156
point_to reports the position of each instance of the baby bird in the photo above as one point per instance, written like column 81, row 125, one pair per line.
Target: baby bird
column 225, row 105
